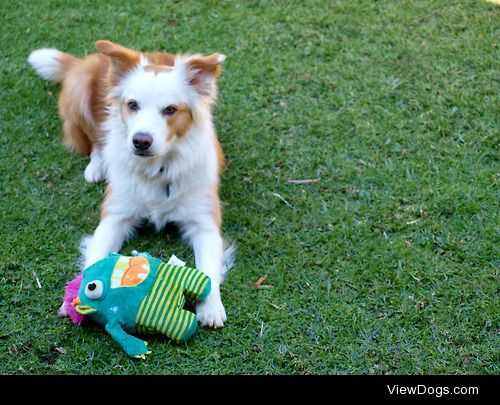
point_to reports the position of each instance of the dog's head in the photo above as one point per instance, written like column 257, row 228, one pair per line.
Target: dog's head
column 160, row 96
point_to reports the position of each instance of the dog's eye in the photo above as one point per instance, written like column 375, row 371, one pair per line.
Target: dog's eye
column 133, row 105
column 170, row 110
column 94, row 289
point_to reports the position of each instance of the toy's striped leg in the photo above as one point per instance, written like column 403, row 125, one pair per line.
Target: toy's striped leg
column 179, row 325
column 196, row 284
column 187, row 327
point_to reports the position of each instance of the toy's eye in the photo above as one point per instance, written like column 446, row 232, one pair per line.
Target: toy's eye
column 94, row 289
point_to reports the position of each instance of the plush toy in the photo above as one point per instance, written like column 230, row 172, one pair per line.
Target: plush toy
column 129, row 294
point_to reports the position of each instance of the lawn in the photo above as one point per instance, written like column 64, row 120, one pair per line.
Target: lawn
column 386, row 263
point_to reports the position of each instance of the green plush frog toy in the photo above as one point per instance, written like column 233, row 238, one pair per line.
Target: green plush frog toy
column 129, row 294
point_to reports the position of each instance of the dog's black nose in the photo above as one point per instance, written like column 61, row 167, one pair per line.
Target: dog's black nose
column 142, row 141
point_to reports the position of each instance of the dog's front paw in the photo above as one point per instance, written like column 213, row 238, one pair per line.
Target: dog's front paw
column 211, row 313
column 94, row 172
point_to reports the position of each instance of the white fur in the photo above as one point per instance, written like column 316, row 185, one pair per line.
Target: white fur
column 95, row 170
column 138, row 183
column 46, row 62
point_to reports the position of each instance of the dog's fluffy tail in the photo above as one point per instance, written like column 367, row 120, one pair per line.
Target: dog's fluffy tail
column 51, row 64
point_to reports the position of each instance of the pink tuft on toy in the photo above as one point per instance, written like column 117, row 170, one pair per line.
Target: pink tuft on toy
column 72, row 288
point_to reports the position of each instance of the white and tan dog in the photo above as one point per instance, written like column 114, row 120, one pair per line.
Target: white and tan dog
column 145, row 120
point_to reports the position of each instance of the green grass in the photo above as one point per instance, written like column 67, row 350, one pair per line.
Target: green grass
column 388, row 264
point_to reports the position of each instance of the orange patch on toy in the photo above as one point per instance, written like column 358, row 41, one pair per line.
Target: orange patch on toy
column 137, row 271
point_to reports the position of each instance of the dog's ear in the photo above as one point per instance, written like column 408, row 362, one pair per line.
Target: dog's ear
column 122, row 59
column 202, row 72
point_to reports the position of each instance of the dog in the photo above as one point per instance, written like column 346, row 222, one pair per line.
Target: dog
column 145, row 120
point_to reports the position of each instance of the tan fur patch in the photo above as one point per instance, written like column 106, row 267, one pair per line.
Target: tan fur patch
column 217, row 213
column 207, row 64
column 98, row 93
column 122, row 60
column 82, row 102
column 180, row 122
column 221, row 160
column 158, row 58
column 107, row 196
column 157, row 68
column 66, row 62
column 203, row 68
column 221, row 163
